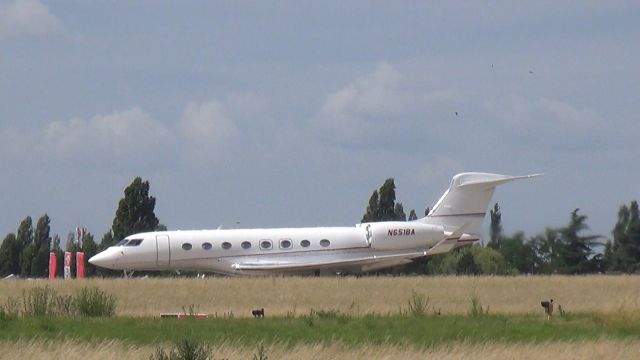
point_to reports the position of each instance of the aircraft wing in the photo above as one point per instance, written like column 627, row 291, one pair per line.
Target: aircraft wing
column 314, row 264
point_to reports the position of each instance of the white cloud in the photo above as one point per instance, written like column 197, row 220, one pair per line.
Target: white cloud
column 121, row 134
column 28, row 18
column 129, row 136
column 206, row 124
column 381, row 103
column 358, row 111
column 550, row 121
column 376, row 93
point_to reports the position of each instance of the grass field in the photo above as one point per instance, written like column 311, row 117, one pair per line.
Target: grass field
column 349, row 318
column 329, row 327
column 280, row 296
column 74, row 350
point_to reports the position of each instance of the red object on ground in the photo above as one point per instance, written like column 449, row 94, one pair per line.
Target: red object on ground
column 79, row 265
column 52, row 265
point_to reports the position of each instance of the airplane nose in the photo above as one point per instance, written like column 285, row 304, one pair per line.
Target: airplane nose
column 105, row 259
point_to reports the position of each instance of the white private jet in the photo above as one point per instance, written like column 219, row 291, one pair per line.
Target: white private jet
column 454, row 221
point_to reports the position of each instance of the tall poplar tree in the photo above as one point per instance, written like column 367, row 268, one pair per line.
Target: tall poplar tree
column 371, row 214
column 398, row 212
column 496, row 226
column 42, row 245
column 382, row 205
column 10, row 255
column 135, row 213
column 386, row 208
column 624, row 253
column 27, row 248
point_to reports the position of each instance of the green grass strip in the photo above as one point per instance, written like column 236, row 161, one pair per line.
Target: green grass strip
column 368, row 329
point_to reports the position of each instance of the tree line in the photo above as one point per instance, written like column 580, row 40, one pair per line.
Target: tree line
column 564, row 250
column 26, row 252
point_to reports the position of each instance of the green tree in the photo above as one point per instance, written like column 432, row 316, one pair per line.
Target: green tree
column 490, row 261
column 496, row 227
column 135, row 212
column 469, row 260
column 518, row 253
column 412, row 215
column 26, row 259
column 25, row 239
column 382, row 205
column 577, row 249
column 55, row 247
column 547, row 248
column 467, row 263
column 386, row 207
column 398, row 212
column 372, row 210
column 90, row 248
column 624, row 253
column 444, row 264
column 42, row 244
column 10, row 255
column 608, row 256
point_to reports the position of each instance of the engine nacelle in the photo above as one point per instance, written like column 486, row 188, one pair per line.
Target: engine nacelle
column 399, row 235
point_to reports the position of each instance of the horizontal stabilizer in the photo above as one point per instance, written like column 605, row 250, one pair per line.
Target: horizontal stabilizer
column 442, row 247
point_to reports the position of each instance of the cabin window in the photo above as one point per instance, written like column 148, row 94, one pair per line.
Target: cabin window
column 226, row 245
column 266, row 244
column 122, row 242
column 305, row 243
column 246, row 245
column 186, row 246
column 325, row 243
column 207, row 246
column 134, row 242
column 285, row 244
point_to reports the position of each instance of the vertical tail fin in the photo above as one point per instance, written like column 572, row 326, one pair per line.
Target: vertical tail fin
column 465, row 202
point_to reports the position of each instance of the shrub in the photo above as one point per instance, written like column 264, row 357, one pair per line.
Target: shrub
column 65, row 305
column 4, row 318
column 476, row 307
column 44, row 301
column 93, row 302
column 184, row 350
column 326, row 314
column 261, row 354
column 11, row 308
column 418, row 304
column 38, row 301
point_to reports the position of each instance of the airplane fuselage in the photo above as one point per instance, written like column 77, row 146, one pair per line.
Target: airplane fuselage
column 363, row 247
column 454, row 221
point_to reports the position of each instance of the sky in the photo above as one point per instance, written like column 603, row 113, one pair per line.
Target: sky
column 290, row 113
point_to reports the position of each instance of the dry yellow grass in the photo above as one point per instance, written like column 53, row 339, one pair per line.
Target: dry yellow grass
column 281, row 295
column 70, row 350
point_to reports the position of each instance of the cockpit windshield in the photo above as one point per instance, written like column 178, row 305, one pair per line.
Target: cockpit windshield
column 129, row 242
column 134, row 242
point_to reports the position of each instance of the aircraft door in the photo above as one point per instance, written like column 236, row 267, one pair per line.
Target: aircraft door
column 162, row 250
